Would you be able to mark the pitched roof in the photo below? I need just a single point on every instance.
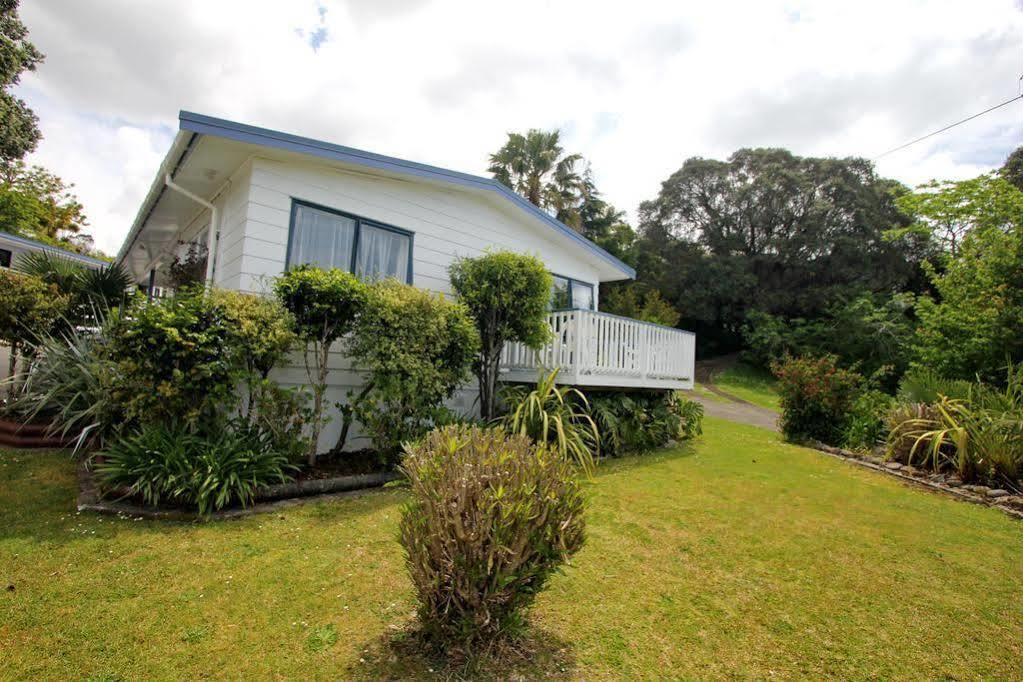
(208, 125)
(49, 248)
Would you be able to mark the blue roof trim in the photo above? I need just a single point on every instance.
(64, 253)
(208, 125)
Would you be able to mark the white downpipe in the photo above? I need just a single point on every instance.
(211, 235)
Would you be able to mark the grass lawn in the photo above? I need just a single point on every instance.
(738, 556)
(749, 383)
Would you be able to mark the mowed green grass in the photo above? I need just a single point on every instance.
(751, 384)
(734, 557)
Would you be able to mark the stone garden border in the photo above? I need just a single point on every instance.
(272, 498)
(949, 485)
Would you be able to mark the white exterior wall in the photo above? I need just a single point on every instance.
(447, 223)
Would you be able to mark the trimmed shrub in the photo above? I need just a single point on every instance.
(557, 416)
(325, 305)
(817, 398)
(417, 348)
(491, 518)
(173, 360)
(637, 421)
(173, 464)
(508, 295)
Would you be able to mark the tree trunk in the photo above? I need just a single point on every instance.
(347, 414)
(322, 356)
(490, 362)
(12, 367)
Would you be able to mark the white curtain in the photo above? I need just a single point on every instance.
(322, 239)
(382, 253)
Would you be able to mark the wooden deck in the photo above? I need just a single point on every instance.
(604, 350)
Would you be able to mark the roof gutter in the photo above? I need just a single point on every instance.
(211, 235)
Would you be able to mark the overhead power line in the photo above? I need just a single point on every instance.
(949, 127)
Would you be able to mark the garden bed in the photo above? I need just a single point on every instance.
(318, 484)
(29, 436)
(950, 485)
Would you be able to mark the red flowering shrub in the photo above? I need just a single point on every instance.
(817, 398)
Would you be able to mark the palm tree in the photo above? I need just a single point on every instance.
(535, 166)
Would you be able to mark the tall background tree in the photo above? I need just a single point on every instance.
(34, 203)
(19, 127)
(769, 231)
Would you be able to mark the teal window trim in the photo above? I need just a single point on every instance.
(359, 222)
(572, 283)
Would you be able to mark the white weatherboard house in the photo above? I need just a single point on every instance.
(262, 201)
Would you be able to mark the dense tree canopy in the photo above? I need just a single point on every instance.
(767, 230)
(1012, 170)
(945, 212)
(37, 204)
(19, 127)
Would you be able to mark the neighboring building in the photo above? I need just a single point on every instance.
(12, 246)
(275, 200)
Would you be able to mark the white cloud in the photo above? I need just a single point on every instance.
(636, 87)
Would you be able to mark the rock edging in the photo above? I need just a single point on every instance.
(997, 498)
(271, 498)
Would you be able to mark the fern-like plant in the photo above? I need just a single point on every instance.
(554, 415)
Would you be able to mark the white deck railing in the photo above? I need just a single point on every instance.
(599, 349)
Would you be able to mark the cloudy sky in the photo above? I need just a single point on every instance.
(636, 88)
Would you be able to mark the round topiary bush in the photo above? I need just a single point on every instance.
(491, 518)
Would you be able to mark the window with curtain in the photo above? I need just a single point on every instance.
(331, 239)
(569, 293)
(382, 253)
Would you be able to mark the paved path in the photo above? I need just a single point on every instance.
(736, 409)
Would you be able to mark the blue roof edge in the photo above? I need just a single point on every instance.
(241, 132)
(62, 253)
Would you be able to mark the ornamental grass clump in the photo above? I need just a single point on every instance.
(492, 517)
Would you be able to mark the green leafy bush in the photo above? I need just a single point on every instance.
(869, 333)
(866, 427)
(976, 324)
(171, 463)
(261, 334)
(491, 518)
(174, 360)
(643, 420)
(417, 348)
(817, 398)
(325, 305)
(553, 415)
(508, 295)
(28, 309)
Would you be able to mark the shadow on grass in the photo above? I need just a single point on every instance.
(614, 466)
(402, 655)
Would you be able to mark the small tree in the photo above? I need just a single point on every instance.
(262, 333)
(418, 348)
(28, 309)
(507, 295)
(325, 305)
